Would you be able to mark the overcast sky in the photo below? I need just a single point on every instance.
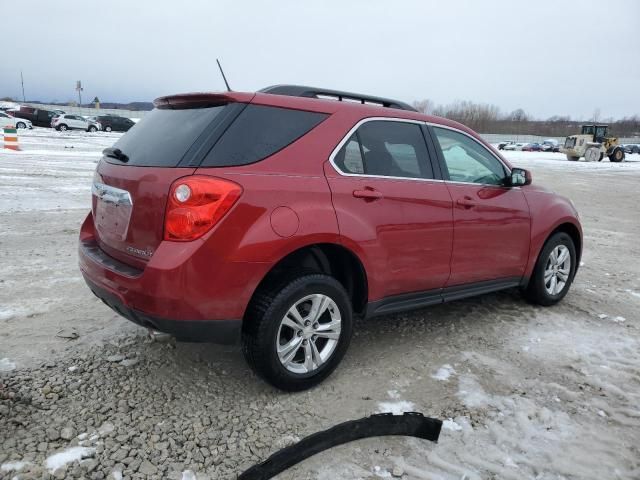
(548, 57)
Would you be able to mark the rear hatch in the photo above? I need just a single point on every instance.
(133, 179)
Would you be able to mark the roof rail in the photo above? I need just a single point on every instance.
(325, 93)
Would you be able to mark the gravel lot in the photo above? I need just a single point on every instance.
(527, 392)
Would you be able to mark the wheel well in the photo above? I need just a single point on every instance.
(571, 230)
(327, 258)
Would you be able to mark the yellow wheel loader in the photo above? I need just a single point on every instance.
(593, 144)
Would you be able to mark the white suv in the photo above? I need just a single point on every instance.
(73, 122)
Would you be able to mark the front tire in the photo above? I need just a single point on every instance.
(617, 155)
(92, 129)
(295, 336)
(107, 128)
(21, 125)
(554, 271)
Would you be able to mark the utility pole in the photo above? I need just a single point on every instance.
(22, 82)
(79, 89)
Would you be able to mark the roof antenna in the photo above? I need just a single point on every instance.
(223, 77)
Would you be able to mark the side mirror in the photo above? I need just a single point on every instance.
(519, 177)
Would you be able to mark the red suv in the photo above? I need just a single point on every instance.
(278, 216)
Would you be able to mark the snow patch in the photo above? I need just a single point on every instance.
(117, 475)
(13, 466)
(69, 455)
(397, 408)
(631, 292)
(7, 365)
(188, 475)
(381, 472)
(450, 424)
(471, 393)
(393, 394)
(444, 372)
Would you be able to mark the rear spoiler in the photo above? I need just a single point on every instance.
(201, 100)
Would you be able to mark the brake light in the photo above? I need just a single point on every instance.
(196, 204)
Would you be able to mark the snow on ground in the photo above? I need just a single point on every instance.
(558, 161)
(6, 365)
(52, 171)
(71, 454)
(444, 372)
(14, 466)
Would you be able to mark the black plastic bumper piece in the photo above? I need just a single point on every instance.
(410, 424)
(224, 332)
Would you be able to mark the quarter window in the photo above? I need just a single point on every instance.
(259, 132)
(468, 161)
(387, 149)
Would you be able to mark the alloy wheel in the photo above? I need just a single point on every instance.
(309, 333)
(557, 270)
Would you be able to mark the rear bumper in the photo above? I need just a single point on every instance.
(185, 289)
(215, 331)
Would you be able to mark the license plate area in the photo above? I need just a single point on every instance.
(112, 212)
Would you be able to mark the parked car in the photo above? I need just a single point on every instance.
(631, 148)
(275, 218)
(501, 145)
(513, 146)
(550, 145)
(115, 123)
(532, 147)
(9, 121)
(68, 121)
(37, 116)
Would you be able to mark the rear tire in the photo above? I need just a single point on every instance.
(271, 328)
(552, 279)
(592, 154)
(62, 128)
(616, 156)
(572, 159)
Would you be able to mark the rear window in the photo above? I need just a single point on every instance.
(163, 136)
(258, 132)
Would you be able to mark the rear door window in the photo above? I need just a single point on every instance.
(386, 148)
(259, 132)
(162, 137)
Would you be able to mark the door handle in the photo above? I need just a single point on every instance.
(466, 202)
(368, 194)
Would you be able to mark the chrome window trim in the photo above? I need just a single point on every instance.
(344, 140)
(364, 175)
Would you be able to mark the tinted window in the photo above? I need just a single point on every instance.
(468, 161)
(163, 136)
(386, 148)
(259, 132)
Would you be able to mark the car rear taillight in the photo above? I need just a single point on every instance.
(196, 204)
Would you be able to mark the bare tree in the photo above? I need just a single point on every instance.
(425, 106)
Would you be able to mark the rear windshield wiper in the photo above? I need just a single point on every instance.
(115, 153)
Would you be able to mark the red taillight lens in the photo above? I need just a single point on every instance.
(196, 204)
